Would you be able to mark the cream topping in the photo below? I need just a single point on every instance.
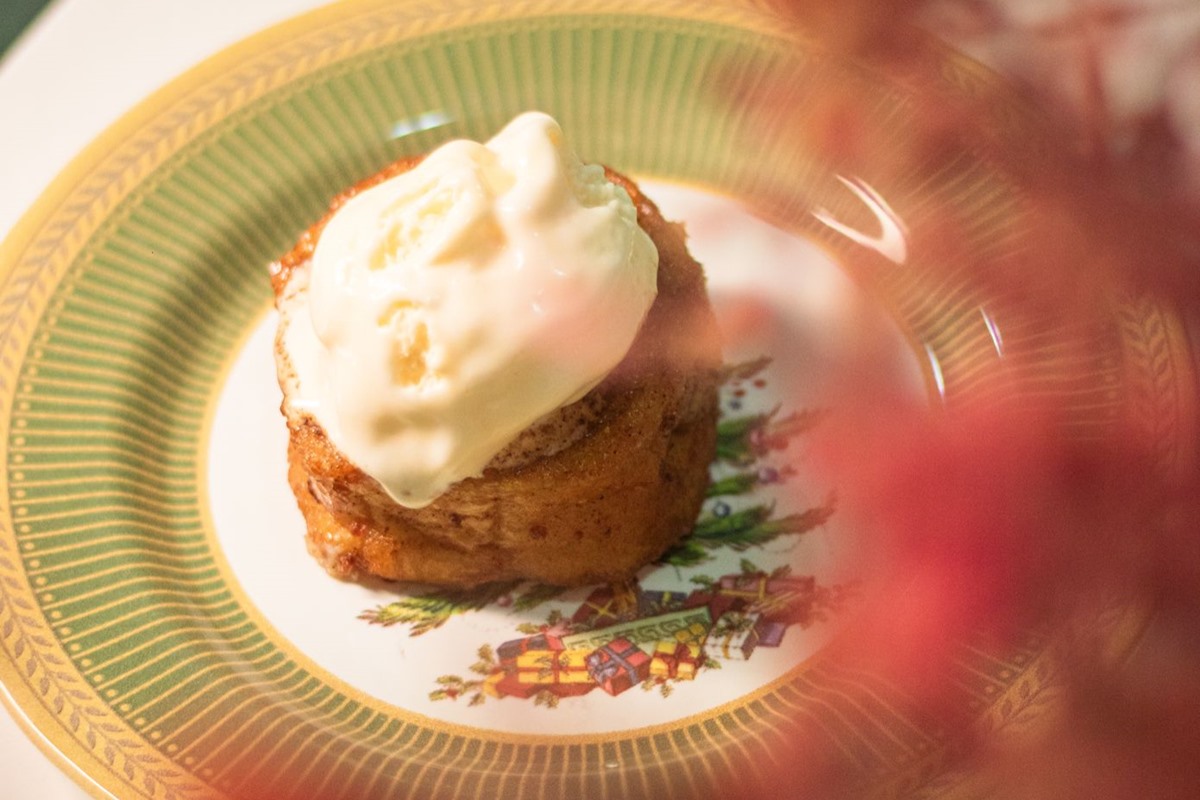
(450, 307)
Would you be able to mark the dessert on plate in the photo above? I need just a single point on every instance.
(497, 362)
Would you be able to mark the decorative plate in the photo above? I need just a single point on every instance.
(160, 624)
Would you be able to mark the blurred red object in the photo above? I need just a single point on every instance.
(991, 516)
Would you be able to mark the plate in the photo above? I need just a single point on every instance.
(161, 626)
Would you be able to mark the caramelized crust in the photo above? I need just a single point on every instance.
(591, 493)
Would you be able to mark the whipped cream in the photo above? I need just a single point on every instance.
(450, 307)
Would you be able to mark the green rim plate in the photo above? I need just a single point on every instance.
(130, 287)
